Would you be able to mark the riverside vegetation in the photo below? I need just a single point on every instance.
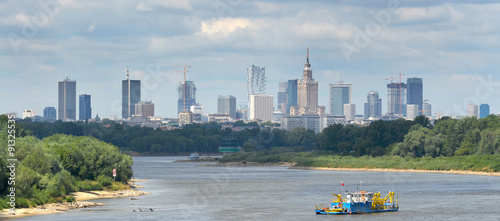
(48, 169)
(465, 144)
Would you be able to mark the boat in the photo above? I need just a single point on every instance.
(359, 202)
(194, 156)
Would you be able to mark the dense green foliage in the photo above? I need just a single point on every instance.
(450, 137)
(48, 170)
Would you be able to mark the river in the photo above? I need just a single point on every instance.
(183, 191)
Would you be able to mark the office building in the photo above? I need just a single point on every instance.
(67, 100)
(412, 111)
(472, 111)
(261, 107)
(186, 95)
(414, 92)
(311, 122)
(427, 109)
(373, 106)
(256, 80)
(85, 107)
(227, 105)
(185, 117)
(145, 109)
(349, 112)
(49, 114)
(291, 92)
(307, 91)
(283, 96)
(396, 104)
(28, 113)
(484, 110)
(340, 94)
(131, 95)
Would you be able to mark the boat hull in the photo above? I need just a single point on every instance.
(322, 212)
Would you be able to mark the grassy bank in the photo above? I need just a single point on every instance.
(482, 163)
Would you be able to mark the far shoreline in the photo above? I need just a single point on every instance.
(462, 172)
(293, 166)
(81, 201)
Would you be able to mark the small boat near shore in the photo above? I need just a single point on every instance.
(359, 202)
(194, 156)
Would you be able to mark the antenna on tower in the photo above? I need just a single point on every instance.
(308, 54)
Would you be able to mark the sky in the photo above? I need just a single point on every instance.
(453, 46)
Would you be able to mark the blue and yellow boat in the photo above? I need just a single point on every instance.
(360, 202)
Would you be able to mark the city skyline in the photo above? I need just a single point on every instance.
(456, 62)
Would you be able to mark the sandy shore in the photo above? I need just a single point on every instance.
(247, 164)
(402, 170)
(292, 166)
(81, 201)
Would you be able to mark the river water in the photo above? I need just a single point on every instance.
(184, 191)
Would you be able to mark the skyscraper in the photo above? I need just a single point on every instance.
(291, 91)
(414, 90)
(145, 109)
(373, 105)
(282, 96)
(256, 80)
(411, 111)
(189, 95)
(472, 110)
(396, 104)
(484, 110)
(261, 107)
(67, 100)
(227, 105)
(49, 114)
(85, 109)
(307, 91)
(427, 109)
(131, 95)
(349, 112)
(340, 94)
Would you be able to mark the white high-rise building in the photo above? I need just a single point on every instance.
(350, 112)
(261, 107)
(472, 110)
(28, 113)
(412, 111)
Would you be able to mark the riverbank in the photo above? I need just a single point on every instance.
(247, 164)
(81, 201)
(402, 170)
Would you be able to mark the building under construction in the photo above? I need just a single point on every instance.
(187, 96)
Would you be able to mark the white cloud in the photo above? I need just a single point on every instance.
(223, 27)
(175, 4)
(91, 28)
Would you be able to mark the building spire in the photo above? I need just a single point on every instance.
(308, 54)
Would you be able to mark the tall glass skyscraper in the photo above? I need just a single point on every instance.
(414, 90)
(340, 94)
(373, 106)
(190, 96)
(484, 110)
(67, 100)
(291, 92)
(282, 96)
(396, 104)
(131, 95)
(227, 105)
(85, 109)
(49, 113)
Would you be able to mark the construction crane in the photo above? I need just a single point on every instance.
(184, 94)
(400, 76)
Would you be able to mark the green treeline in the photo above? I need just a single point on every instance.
(417, 138)
(47, 170)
